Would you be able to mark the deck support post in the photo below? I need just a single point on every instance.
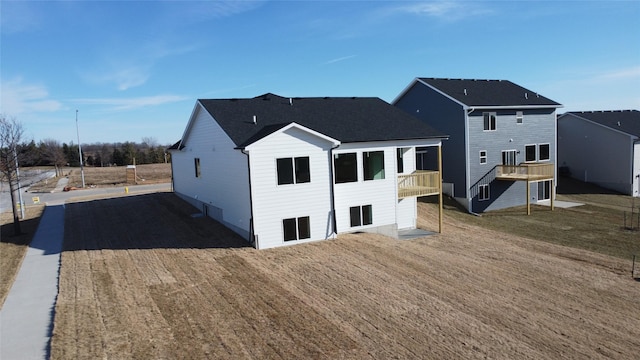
(553, 193)
(440, 207)
(528, 198)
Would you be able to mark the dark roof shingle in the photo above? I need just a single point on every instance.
(627, 121)
(496, 93)
(347, 119)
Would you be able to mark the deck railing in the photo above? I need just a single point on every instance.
(419, 183)
(533, 171)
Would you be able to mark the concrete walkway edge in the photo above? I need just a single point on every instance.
(26, 318)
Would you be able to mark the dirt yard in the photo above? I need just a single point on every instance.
(142, 278)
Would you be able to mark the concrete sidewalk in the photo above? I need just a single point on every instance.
(26, 319)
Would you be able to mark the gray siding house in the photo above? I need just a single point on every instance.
(502, 146)
(601, 147)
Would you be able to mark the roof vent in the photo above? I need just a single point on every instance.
(255, 119)
(465, 92)
(290, 101)
(526, 96)
(618, 123)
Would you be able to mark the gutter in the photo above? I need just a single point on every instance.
(252, 238)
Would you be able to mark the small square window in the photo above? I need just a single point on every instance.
(543, 151)
(296, 228)
(489, 121)
(519, 117)
(287, 167)
(483, 156)
(483, 192)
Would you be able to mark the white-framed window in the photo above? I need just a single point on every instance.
(519, 117)
(196, 164)
(361, 215)
(346, 168)
(296, 228)
(483, 192)
(530, 153)
(489, 121)
(483, 156)
(293, 170)
(544, 152)
(373, 165)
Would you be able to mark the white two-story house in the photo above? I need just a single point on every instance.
(502, 147)
(281, 171)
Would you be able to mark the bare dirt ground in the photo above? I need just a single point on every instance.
(141, 278)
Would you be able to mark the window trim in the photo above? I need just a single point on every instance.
(548, 152)
(483, 157)
(535, 153)
(486, 124)
(486, 193)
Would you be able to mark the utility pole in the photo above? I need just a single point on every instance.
(80, 150)
(15, 152)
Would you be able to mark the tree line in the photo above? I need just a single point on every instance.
(54, 153)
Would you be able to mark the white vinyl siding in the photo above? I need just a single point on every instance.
(272, 202)
(226, 193)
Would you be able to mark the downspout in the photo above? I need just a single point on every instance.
(334, 222)
(468, 111)
(252, 237)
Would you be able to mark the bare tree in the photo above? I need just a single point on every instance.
(11, 132)
(52, 153)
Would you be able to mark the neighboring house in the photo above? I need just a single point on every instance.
(502, 146)
(280, 171)
(601, 147)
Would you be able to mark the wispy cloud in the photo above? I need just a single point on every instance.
(19, 98)
(443, 10)
(333, 61)
(620, 74)
(120, 104)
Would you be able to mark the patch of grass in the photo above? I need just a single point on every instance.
(117, 175)
(596, 226)
(13, 248)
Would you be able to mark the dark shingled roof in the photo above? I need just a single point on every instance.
(489, 92)
(347, 119)
(627, 121)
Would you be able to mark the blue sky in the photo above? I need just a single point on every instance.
(134, 69)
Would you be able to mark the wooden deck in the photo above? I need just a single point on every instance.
(526, 172)
(419, 183)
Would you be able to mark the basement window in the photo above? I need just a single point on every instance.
(346, 168)
(483, 192)
(361, 215)
(296, 228)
